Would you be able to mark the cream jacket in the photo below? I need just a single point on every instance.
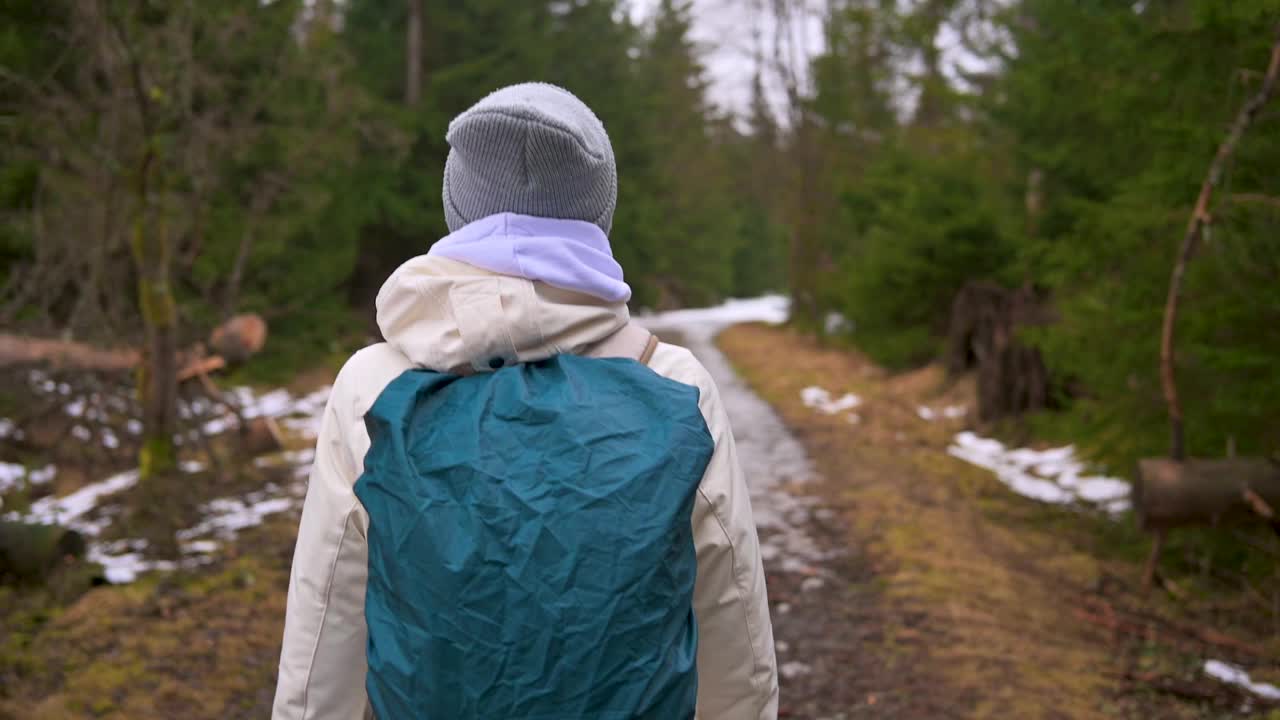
(448, 316)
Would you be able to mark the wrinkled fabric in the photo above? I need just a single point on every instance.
(530, 546)
(323, 656)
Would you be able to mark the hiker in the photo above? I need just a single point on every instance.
(524, 506)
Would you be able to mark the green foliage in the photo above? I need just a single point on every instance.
(924, 232)
(1152, 93)
(1116, 110)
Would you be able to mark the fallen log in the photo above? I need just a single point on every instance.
(1169, 494)
(30, 552)
(235, 341)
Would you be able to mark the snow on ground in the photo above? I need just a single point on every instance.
(794, 669)
(124, 560)
(820, 399)
(12, 475)
(8, 428)
(707, 322)
(1052, 476)
(1235, 675)
(950, 412)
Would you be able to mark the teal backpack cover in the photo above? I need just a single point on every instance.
(531, 553)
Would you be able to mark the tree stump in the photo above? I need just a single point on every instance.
(1012, 377)
(31, 552)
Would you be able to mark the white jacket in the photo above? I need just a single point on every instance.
(445, 315)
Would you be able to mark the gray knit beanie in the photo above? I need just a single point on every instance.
(531, 149)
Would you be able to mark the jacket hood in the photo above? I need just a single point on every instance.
(448, 316)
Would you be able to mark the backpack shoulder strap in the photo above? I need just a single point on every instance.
(631, 341)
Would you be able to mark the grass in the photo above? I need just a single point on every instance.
(191, 645)
(1009, 588)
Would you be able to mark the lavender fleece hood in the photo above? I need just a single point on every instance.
(567, 254)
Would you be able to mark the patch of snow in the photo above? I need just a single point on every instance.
(10, 475)
(772, 309)
(1052, 476)
(42, 476)
(218, 426)
(811, 584)
(109, 439)
(836, 324)
(783, 608)
(227, 516)
(951, 412)
(821, 400)
(9, 428)
(81, 433)
(794, 669)
(70, 510)
(126, 567)
(201, 547)
(782, 646)
(1236, 675)
(133, 427)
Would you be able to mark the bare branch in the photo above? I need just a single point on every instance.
(1201, 219)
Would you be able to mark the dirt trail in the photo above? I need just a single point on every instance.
(938, 592)
(823, 606)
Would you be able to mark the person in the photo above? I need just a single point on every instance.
(521, 506)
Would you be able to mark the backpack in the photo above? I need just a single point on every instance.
(530, 545)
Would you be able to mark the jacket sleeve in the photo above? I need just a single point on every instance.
(323, 662)
(737, 671)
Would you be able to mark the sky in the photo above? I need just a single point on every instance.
(726, 33)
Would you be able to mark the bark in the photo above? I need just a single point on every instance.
(158, 375)
(18, 350)
(413, 55)
(1200, 219)
(1171, 494)
(234, 342)
(1012, 376)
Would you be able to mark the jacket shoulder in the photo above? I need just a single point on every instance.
(365, 375)
(679, 364)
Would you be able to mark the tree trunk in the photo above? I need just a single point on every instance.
(1171, 494)
(413, 55)
(158, 374)
(802, 255)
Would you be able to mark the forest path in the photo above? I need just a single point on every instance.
(821, 603)
(924, 587)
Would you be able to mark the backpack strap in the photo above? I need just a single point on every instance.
(631, 341)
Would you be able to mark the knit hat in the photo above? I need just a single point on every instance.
(529, 149)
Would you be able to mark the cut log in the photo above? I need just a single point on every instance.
(30, 552)
(1171, 494)
(235, 341)
(22, 350)
(239, 338)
